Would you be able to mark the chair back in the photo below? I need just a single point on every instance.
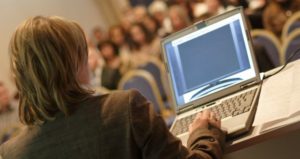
(145, 84)
(154, 68)
(270, 42)
(294, 26)
(290, 25)
(291, 44)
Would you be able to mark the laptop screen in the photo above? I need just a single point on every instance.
(209, 59)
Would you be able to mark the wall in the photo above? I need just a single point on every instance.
(13, 12)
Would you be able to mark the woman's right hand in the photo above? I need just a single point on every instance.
(204, 119)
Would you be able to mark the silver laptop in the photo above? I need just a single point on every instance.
(211, 65)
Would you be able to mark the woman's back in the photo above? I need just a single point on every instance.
(118, 125)
(98, 128)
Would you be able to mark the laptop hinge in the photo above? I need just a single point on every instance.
(193, 106)
(187, 108)
(249, 84)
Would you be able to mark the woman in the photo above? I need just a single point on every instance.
(120, 38)
(144, 45)
(64, 120)
(143, 41)
(111, 73)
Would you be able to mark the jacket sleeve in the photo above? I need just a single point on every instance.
(155, 141)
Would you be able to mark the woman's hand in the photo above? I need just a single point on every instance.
(204, 119)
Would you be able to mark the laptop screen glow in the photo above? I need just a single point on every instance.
(209, 59)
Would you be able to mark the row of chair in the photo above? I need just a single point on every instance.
(280, 49)
(149, 80)
(276, 50)
(291, 25)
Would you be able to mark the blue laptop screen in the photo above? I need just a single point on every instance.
(209, 60)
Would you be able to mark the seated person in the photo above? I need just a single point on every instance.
(179, 18)
(110, 75)
(263, 60)
(9, 123)
(277, 12)
(144, 45)
(66, 120)
(95, 63)
(119, 36)
(255, 13)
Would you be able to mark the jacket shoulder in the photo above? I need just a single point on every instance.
(118, 101)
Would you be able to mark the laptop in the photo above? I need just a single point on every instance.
(211, 65)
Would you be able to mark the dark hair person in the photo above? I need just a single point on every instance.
(65, 120)
(144, 45)
(140, 36)
(111, 73)
(151, 24)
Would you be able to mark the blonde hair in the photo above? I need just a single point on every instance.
(46, 55)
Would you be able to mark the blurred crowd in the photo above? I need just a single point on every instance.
(136, 39)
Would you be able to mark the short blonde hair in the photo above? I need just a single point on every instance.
(46, 55)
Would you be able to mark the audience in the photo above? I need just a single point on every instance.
(140, 30)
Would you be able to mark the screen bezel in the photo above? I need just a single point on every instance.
(196, 27)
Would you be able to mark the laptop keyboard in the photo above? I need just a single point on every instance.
(230, 107)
